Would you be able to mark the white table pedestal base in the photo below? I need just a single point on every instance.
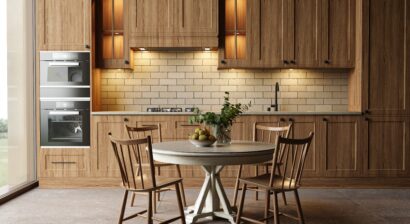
(212, 201)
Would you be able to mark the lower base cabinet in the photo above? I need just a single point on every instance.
(387, 146)
(352, 148)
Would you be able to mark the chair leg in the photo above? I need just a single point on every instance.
(181, 186)
(236, 190)
(149, 214)
(180, 207)
(158, 196)
(267, 206)
(284, 198)
(154, 202)
(124, 204)
(240, 209)
(299, 208)
(276, 209)
(256, 174)
(132, 199)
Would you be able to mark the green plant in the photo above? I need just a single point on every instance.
(225, 119)
(3, 126)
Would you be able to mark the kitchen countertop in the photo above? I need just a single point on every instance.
(124, 113)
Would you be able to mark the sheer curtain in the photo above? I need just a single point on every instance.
(17, 129)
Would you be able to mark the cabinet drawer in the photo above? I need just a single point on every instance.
(64, 162)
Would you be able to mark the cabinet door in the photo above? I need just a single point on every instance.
(63, 162)
(338, 33)
(302, 48)
(105, 162)
(63, 24)
(302, 126)
(388, 79)
(339, 143)
(387, 146)
(198, 18)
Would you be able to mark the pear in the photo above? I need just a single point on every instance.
(202, 138)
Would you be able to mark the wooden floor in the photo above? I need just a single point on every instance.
(91, 206)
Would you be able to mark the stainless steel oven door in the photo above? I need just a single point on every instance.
(65, 73)
(65, 127)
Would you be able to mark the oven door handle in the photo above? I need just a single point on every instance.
(57, 112)
(58, 64)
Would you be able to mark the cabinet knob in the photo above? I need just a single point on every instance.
(223, 62)
(127, 62)
(293, 62)
(282, 119)
(367, 111)
(291, 120)
(126, 120)
(87, 46)
(286, 62)
(327, 61)
(325, 120)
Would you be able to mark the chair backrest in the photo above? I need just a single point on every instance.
(294, 153)
(128, 153)
(148, 130)
(270, 134)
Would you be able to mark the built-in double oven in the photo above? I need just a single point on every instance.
(65, 99)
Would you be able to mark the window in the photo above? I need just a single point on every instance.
(17, 129)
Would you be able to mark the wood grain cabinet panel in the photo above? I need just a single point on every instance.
(303, 33)
(59, 162)
(340, 146)
(302, 126)
(173, 23)
(388, 72)
(338, 33)
(63, 24)
(387, 144)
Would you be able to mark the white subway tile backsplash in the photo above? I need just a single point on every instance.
(186, 79)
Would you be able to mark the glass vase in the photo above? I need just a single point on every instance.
(222, 134)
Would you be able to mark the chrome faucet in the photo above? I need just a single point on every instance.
(276, 105)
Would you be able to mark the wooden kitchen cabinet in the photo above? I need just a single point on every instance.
(340, 145)
(386, 80)
(387, 146)
(302, 126)
(63, 25)
(173, 23)
(288, 34)
(63, 162)
(111, 19)
(338, 33)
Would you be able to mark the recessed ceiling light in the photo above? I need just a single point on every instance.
(142, 49)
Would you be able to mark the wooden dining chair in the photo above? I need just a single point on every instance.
(265, 134)
(294, 153)
(153, 130)
(128, 154)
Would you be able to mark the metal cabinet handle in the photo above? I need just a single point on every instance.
(286, 62)
(126, 120)
(293, 62)
(87, 46)
(282, 119)
(189, 125)
(325, 120)
(223, 62)
(327, 61)
(62, 162)
(126, 62)
(291, 120)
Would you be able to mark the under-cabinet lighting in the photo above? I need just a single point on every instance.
(116, 33)
(207, 49)
(142, 49)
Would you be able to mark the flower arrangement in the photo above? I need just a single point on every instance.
(220, 122)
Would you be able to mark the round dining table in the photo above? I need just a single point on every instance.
(212, 200)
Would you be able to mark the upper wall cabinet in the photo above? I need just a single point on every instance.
(112, 49)
(288, 34)
(63, 24)
(388, 68)
(338, 33)
(173, 23)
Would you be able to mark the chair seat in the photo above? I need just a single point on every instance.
(161, 183)
(262, 181)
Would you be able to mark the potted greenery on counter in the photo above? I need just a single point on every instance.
(220, 123)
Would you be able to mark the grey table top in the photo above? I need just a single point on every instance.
(236, 148)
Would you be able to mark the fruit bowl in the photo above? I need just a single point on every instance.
(204, 143)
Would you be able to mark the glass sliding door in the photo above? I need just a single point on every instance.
(17, 129)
